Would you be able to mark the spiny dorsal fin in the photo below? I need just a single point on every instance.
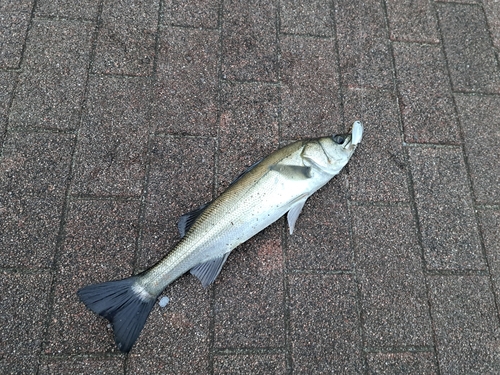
(207, 272)
(186, 221)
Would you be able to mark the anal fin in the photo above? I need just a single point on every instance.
(207, 272)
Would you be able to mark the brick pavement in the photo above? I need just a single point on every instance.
(118, 116)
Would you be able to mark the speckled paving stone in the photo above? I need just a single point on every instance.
(175, 339)
(490, 222)
(81, 9)
(426, 102)
(417, 363)
(248, 129)
(479, 117)
(82, 366)
(377, 170)
(492, 11)
(468, 48)
(465, 324)
(306, 17)
(389, 267)
(14, 27)
(7, 82)
(255, 364)
(249, 309)
(33, 173)
(112, 146)
(181, 179)
(126, 41)
(324, 326)
(450, 236)
(99, 246)
(249, 44)
(365, 59)
(309, 87)
(193, 13)
(16, 6)
(52, 84)
(24, 307)
(187, 82)
(413, 21)
(321, 238)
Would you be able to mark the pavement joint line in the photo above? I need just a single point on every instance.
(188, 136)
(249, 350)
(488, 206)
(417, 42)
(400, 349)
(379, 203)
(467, 93)
(32, 130)
(251, 82)
(451, 273)
(44, 18)
(431, 145)
(26, 270)
(307, 272)
(164, 26)
(119, 75)
(307, 35)
(113, 198)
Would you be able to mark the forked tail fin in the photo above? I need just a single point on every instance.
(124, 303)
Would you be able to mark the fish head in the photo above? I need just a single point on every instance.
(331, 154)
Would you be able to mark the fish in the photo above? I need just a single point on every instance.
(277, 185)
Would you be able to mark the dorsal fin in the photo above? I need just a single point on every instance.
(186, 221)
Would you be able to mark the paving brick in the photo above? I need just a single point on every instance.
(412, 21)
(14, 27)
(421, 363)
(248, 129)
(426, 102)
(450, 236)
(324, 324)
(365, 59)
(490, 222)
(465, 324)
(126, 41)
(309, 87)
(390, 274)
(377, 170)
(468, 48)
(187, 83)
(306, 17)
(52, 84)
(479, 117)
(180, 179)
(249, 44)
(24, 306)
(249, 295)
(256, 364)
(33, 173)
(16, 6)
(112, 144)
(82, 366)
(175, 339)
(492, 11)
(7, 84)
(321, 238)
(192, 13)
(81, 9)
(99, 246)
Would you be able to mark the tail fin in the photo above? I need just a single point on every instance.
(124, 303)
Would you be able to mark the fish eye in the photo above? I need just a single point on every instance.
(338, 139)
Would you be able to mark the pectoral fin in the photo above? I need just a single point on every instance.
(187, 220)
(294, 212)
(207, 272)
(292, 172)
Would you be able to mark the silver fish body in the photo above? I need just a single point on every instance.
(280, 183)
